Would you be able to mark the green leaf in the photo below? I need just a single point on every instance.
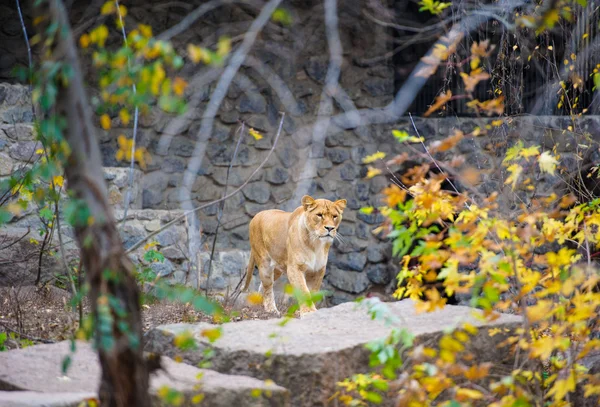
(596, 81)
(400, 135)
(46, 213)
(373, 397)
(177, 62)
(3, 338)
(282, 16)
(5, 216)
(66, 362)
(153, 256)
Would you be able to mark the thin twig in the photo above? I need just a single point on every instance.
(220, 213)
(47, 238)
(236, 191)
(135, 125)
(16, 241)
(62, 248)
(191, 18)
(26, 38)
(22, 335)
(429, 154)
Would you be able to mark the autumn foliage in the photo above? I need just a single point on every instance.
(536, 262)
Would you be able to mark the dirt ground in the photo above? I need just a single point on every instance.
(44, 314)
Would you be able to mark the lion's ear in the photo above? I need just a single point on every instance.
(307, 202)
(340, 204)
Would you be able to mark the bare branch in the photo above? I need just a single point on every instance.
(220, 214)
(331, 86)
(135, 124)
(209, 115)
(194, 210)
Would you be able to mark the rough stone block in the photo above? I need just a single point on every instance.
(117, 180)
(349, 281)
(19, 131)
(37, 368)
(324, 347)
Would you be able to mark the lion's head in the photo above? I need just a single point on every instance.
(323, 216)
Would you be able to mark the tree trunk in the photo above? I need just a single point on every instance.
(113, 292)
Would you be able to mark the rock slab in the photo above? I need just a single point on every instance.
(36, 399)
(308, 356)
(38, 369)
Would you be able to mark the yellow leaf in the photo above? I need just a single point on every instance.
(563, 386)
(108, 8)
(145, 30)
(367, 211)
(58, 181)
(373, 157)
(198, 54)
(440, 101)
(539, 311)
(547, 162)
(211, 334)
(475, 63)
(255, 134)
(105, 121)
(122, 10)
(124, 115)
(515, 172)
(150, 245)
(471, 80)
(373, 172)
(394, 195)
(529, 152)
(223, 46)
(84, 41)
(99, 35)
(179, 86)
(468, 394)
(197, 399)
(33, 241)
(254, 298)
(39, 151)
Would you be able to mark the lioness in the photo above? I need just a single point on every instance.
(296, 242)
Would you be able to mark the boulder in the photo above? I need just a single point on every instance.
(36, 399)
(323, 347)
(38, 369)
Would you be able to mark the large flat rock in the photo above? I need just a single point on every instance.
(38, 369)
(308, 356)
(36, 399)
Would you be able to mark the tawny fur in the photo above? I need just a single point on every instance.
(295, 243)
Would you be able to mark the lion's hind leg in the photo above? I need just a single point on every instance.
(267, 278)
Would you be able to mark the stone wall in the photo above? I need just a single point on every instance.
(285, 71)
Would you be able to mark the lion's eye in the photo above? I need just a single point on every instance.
(335, 217)
(320, 215)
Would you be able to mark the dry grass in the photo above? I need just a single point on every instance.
(45, 314)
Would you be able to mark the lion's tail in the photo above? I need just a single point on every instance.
(249, 271)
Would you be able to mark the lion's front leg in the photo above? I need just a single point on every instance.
(297, 278)
(314, 280)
